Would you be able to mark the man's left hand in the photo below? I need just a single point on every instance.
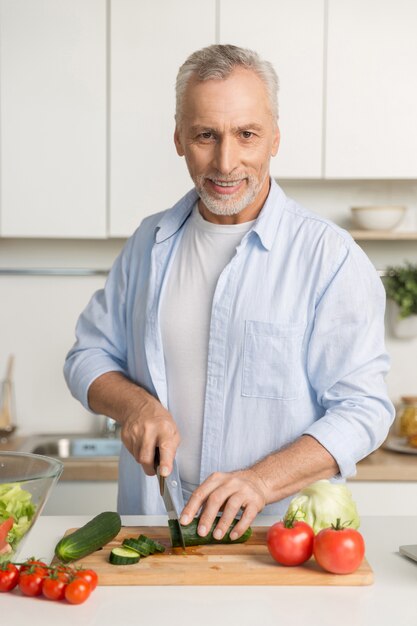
(229, 492)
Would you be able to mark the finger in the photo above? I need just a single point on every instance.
(145, 455)
(232, 508)
(248, 515)
(167, 451)
(211, 509)
(198, 497)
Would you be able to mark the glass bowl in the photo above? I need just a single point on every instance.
(26, 481)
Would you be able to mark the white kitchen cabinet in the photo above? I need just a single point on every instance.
(290, 34)
(53, 118)
(149, 41)
(371, 129)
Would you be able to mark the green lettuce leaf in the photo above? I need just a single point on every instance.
(16, 502)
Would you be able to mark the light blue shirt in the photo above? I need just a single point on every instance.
(296, 343)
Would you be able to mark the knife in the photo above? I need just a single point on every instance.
(165, 491)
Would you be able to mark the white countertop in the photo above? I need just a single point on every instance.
(390, 600)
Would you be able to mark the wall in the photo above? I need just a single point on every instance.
(38, 313)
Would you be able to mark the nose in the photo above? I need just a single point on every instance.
(226, 155)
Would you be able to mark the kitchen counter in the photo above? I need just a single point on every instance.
(387, 465)
(391, 599)
(381, 465)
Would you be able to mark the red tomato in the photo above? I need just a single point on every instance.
(34, 563)
(77, 591)
(31, 580)
(9, 576)
(53, 587)
(4, 529)
(291, 542)
(89, 575)
(339, 550)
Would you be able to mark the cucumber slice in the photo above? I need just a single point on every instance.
(154, 546)
(158, 546)
(123, 556)
(140, 547)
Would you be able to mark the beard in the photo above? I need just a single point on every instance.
(220, 204)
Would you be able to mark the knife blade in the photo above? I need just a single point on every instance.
(165, 491)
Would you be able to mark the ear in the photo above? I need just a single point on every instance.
(178, 143)
(275, 143)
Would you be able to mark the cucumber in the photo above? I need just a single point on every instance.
(191, 538)
(89, 538)
(123, 556)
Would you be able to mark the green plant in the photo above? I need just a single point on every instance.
(401, 286)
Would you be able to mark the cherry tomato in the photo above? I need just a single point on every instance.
(31, 580)
(53, 586)
(290, 542)
(89, 575)
(34, 563)
(77, 591)
(339, 549)
(9, 576)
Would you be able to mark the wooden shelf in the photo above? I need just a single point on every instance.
(384, 235)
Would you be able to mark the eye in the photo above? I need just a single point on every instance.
(247, 134)
(206, 135)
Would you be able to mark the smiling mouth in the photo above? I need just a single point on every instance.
(225, 187)
(226, 183)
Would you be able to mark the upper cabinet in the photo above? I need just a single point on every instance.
(371, 99)
(53, 118)
(87, 100)
(149, 41)
(290, 34)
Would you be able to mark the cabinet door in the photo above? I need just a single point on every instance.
(290, 34)
(149, 41)
(52, 118)
(371, 129)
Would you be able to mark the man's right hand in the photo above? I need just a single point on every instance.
(145, 423)
(149, 426)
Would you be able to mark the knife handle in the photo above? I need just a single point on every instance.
(156, 462)
(157, 459)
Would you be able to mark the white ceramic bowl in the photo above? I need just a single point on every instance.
(377, 217)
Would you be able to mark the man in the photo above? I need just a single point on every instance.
(237, 331)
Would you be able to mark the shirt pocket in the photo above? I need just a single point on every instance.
(272, 360)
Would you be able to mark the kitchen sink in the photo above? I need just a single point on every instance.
(72, 446)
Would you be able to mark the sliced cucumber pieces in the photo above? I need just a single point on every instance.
(154, 546)
(133, 548)
(141, 547)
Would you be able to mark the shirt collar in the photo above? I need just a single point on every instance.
(265, 226)
(270, 215)
(173, 219)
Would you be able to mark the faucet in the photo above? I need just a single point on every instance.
(110, 428)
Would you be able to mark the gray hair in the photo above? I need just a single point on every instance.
(219, 61)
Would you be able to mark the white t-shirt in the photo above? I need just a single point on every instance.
(204, 251)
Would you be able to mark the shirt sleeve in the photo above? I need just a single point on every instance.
(347, 362)
(100, 345)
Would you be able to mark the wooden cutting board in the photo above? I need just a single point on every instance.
(239, 564)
